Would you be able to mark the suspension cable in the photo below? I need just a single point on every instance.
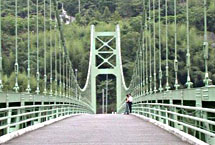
(55, 46)
(154, 45)
(63, 78)
(188, 83)
(150, 50)
(38, 58)
(50, 39)
(143, 47)
(141, 70)
(146, 40)
(60, 66)
(167, 49)
(44, 33)
(66, 78)
(1, 70)
(16, 65)
(160, 70)
(29, 68)
(176, 54)
(207, 80)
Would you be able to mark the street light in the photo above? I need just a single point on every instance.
(76, 77)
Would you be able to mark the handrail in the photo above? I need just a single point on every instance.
(38, 113)
(170, 113)
(184, 107)
(182, 115)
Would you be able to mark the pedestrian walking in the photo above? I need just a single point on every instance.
(127, 105)
(130, 100)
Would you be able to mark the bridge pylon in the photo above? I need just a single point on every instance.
(106, 59)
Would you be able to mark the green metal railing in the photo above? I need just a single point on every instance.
(196, 121)
(65, 97)
(20, 108)
(15, 118)
(170, 105)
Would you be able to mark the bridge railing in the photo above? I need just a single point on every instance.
(196, 121)
(15, 118)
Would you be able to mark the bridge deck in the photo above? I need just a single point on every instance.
(99, 130)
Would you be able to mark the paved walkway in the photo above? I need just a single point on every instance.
(99, 130)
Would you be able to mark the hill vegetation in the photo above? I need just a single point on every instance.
(105, 14)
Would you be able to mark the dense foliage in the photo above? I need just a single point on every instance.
(105, 14)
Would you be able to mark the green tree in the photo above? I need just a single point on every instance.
(116, 16)
(106, 14)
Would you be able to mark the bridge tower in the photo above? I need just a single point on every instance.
(112, 62)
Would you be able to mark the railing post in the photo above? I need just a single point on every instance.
(22, 111)
(159, 113)
(18, 119)
(206, 126)
(167, 119)
(198, 114)
(9, 120)
(175, 117)
(56, 111)
(40, 114)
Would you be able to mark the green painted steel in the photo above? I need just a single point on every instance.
(169, 106)
(182, 118)
(1, 84)
(39, 106)
(176, 53)
(64, 96)
(16, 65)
(38, 57)
(97, 69)
(167, 47)
(188, 83)
(15, 118)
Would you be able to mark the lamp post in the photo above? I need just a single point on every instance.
(76, 89)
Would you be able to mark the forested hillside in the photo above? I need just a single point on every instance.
(105, 14)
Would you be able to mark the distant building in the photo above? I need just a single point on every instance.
(64, 17)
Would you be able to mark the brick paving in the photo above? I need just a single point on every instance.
(99, 130)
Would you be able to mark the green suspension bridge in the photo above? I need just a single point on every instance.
(180, 111)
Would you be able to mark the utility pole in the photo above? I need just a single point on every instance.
(103, 99)
(107, 94)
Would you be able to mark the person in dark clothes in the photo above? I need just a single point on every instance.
(130, 99)
(126, 105)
